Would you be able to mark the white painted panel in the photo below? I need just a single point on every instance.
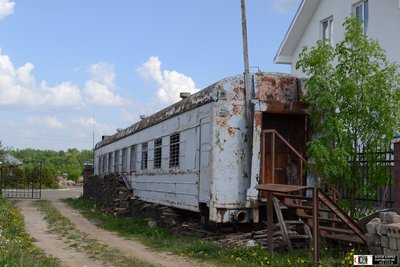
(205, 153)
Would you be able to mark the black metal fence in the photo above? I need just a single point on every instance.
(22, 181)
(383, 169)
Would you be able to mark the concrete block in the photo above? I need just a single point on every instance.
(390, 252)
(390, 217)
(372, 225)
(385, 241)
(381, 229)
(374, 239)
(393, 230)
(382, 216)
(393, 243)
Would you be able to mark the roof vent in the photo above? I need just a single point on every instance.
(184, 95)
(142, 117)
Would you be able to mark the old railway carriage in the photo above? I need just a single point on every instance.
(198, 154)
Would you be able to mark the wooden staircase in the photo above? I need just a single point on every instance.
(333, 222)
(314, 206)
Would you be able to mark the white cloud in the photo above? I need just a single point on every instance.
(283, 6)
(6, 8)
(101, 86)
(18, 86)
(47, 121)
(170, 83)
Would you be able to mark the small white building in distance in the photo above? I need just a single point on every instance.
(323, 19)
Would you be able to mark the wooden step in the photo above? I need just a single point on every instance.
(345, 238)
(336, 230)
(321, 219)
(305, 207)
(292, 196)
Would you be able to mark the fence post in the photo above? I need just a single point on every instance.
(396, 141)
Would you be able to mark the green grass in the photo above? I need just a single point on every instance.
(164, 240)
(16, 246)
(81, 241)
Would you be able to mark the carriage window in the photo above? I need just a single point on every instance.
(157, 153)
(105, 164)
(109, 168)
(174, 151)
(116, 161)
(143, 164)
(124, 165)
(100, 164)
(132, 162)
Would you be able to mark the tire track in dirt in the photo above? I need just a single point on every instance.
(37, 227)
(53, 244)
(131, 247)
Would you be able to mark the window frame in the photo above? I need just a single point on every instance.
(124, 154)
(109, 162)
(157, 153)
(174, 150)
(116, 161)
(144, 162)
(363, 6)
(132, 160)
(329, 26)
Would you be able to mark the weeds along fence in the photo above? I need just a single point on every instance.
(378, 197)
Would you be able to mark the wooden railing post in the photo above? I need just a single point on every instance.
(315, 225)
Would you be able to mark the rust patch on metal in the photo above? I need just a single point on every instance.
(222, 213)
(237, 109)
(277, 87)
(258, 119)
(287, 108)
(238, 93)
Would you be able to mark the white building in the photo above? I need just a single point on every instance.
(323, 19)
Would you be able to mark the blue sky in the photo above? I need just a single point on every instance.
(61, 62)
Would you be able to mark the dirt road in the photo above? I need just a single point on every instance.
(58, 247)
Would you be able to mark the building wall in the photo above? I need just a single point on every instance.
(384, 22)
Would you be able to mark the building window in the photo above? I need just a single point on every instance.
(362, 14)
(132, 161)
(116, 161)
(157, 153)
(327, 27)
(143, 164)
(124, 165)
(174, 151)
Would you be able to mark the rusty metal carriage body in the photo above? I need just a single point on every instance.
(216, 164)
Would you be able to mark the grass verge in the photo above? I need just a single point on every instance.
(81, 241)
(16, 246)
(163, 239)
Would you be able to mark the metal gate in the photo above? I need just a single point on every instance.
(22, 181)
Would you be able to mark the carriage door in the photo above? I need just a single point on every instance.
(280, 165)
(205, 154)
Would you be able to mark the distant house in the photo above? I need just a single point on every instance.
(323, 19)
(12, 160)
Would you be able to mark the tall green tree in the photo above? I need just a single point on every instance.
(354, 98)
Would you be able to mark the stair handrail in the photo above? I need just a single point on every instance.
(309, 165)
